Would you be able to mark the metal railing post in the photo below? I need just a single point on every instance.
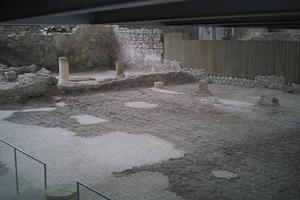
(89, 188)
(45, 176)
(77, 191)
(16, 170)
(16, 164)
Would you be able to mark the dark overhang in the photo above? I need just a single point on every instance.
(267, 13)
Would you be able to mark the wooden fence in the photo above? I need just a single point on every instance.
(243, 59)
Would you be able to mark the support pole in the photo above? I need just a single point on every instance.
(45, 176)
(77, 191)
(16, 170)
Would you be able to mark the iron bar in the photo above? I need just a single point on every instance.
(16, 164)
(16, 170)
(89, 188)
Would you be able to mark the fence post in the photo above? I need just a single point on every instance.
(77, 190)
(45, 176)
(16, 170)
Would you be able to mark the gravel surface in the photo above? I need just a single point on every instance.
(259, 144)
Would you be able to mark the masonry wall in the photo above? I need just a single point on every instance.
(140, 48)
(90, 47)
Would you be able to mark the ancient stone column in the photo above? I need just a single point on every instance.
(63, 70)
(120, 70)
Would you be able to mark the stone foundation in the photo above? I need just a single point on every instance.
(129, 82)
(260, 81)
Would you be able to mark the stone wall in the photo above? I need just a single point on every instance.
(141, 48)
(89, 47)
(260, 81)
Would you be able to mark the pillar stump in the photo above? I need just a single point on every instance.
(120, 70)
(61, 192)
(158, 85)
(63, 65)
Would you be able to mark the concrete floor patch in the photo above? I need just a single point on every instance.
(61, 104)
(165, 91)
(88, 119)
(47, 109)
(234, 102)
(140, 104)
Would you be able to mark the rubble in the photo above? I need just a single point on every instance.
(21, 70)
(44, 71)
(267, 101)
(2, 66)
(27, 85)
(203, 88)
(271, 82)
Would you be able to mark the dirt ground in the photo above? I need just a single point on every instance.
(260, 144)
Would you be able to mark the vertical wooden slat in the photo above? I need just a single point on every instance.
(236, 58)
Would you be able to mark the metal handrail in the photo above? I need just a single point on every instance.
(89, 188)
(16, 164)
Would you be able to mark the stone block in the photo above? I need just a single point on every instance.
(120, 70)
(158, 85)
(10, 76)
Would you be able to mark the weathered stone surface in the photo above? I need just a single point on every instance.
(61, 192)
(224, 174)
(267, 101)
(27, 85)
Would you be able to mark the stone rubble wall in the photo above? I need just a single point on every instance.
(140, 48)
(260, 81)
(28, 85)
